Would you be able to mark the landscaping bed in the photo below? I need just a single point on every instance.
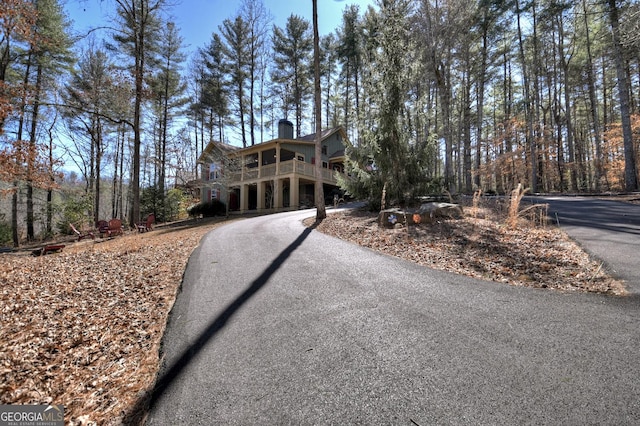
(483, 245)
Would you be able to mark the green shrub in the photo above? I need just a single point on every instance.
(77, 210)
(174, 204)
(152, 200)
(208, 209)
(5, 231)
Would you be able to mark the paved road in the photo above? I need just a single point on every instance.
(277, 324)
(610, 230)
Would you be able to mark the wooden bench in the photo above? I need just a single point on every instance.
(53, 248)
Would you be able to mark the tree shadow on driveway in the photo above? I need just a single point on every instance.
(137, 414)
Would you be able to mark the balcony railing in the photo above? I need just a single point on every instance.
(284, 168)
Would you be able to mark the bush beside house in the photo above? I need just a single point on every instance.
(208, 209)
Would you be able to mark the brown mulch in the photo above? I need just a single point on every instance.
(481, 245)
(82, 327)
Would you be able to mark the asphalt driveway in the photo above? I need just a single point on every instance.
(608, 229)
(279, 324)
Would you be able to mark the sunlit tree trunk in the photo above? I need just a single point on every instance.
(630, 172)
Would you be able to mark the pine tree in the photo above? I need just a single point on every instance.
(215, 91)
(88, 100)
(137, 36)
(236, 52)
(382, 164)
(49, 53)
(293, 47)
(169, 92)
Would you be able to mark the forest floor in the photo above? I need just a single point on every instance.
(83, 327)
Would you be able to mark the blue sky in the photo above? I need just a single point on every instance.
(198, 19)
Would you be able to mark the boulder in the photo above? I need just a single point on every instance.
(389, 218)
(428, 212)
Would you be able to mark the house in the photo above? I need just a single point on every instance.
(275, 175)
(212, 183)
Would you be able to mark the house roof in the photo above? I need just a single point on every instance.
(337, 154)
(214, 146)
(306, 140)
(324, 135)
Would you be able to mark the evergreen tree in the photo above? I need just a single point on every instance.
(349, 51)
(49, 55)
(137, 36)
(257, 19)
(215, 92)
(236, 53)
(388, 165)
(88, 97)
(169, 92)
(293, 47)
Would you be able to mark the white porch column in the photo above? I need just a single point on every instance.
(277, 193)
(261, 191)
(294, 193)
(244, 198)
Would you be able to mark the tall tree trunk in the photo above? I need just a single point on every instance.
(49, 223)
(116, 172)
(98, 172)
(241, 114)
(319, 191)
(564, 65)
(16, 184)
(595, 118)
(630, 173)
(480, 104)
(33, 153)
(531, 143)
(137, 122)
(466, 133)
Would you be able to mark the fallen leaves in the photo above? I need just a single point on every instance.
(527, 255)
(83, 327)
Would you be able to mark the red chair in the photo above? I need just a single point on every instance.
(80, 234)
(111, 228)
(147, 225)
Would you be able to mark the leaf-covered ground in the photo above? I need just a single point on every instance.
(481, 245)
(83, 327)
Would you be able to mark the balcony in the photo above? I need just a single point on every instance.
(285, 168)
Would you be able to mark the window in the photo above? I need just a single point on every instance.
(300, 157)
(214, 172)
(324, 149)
(251, 161)
(325, 165)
